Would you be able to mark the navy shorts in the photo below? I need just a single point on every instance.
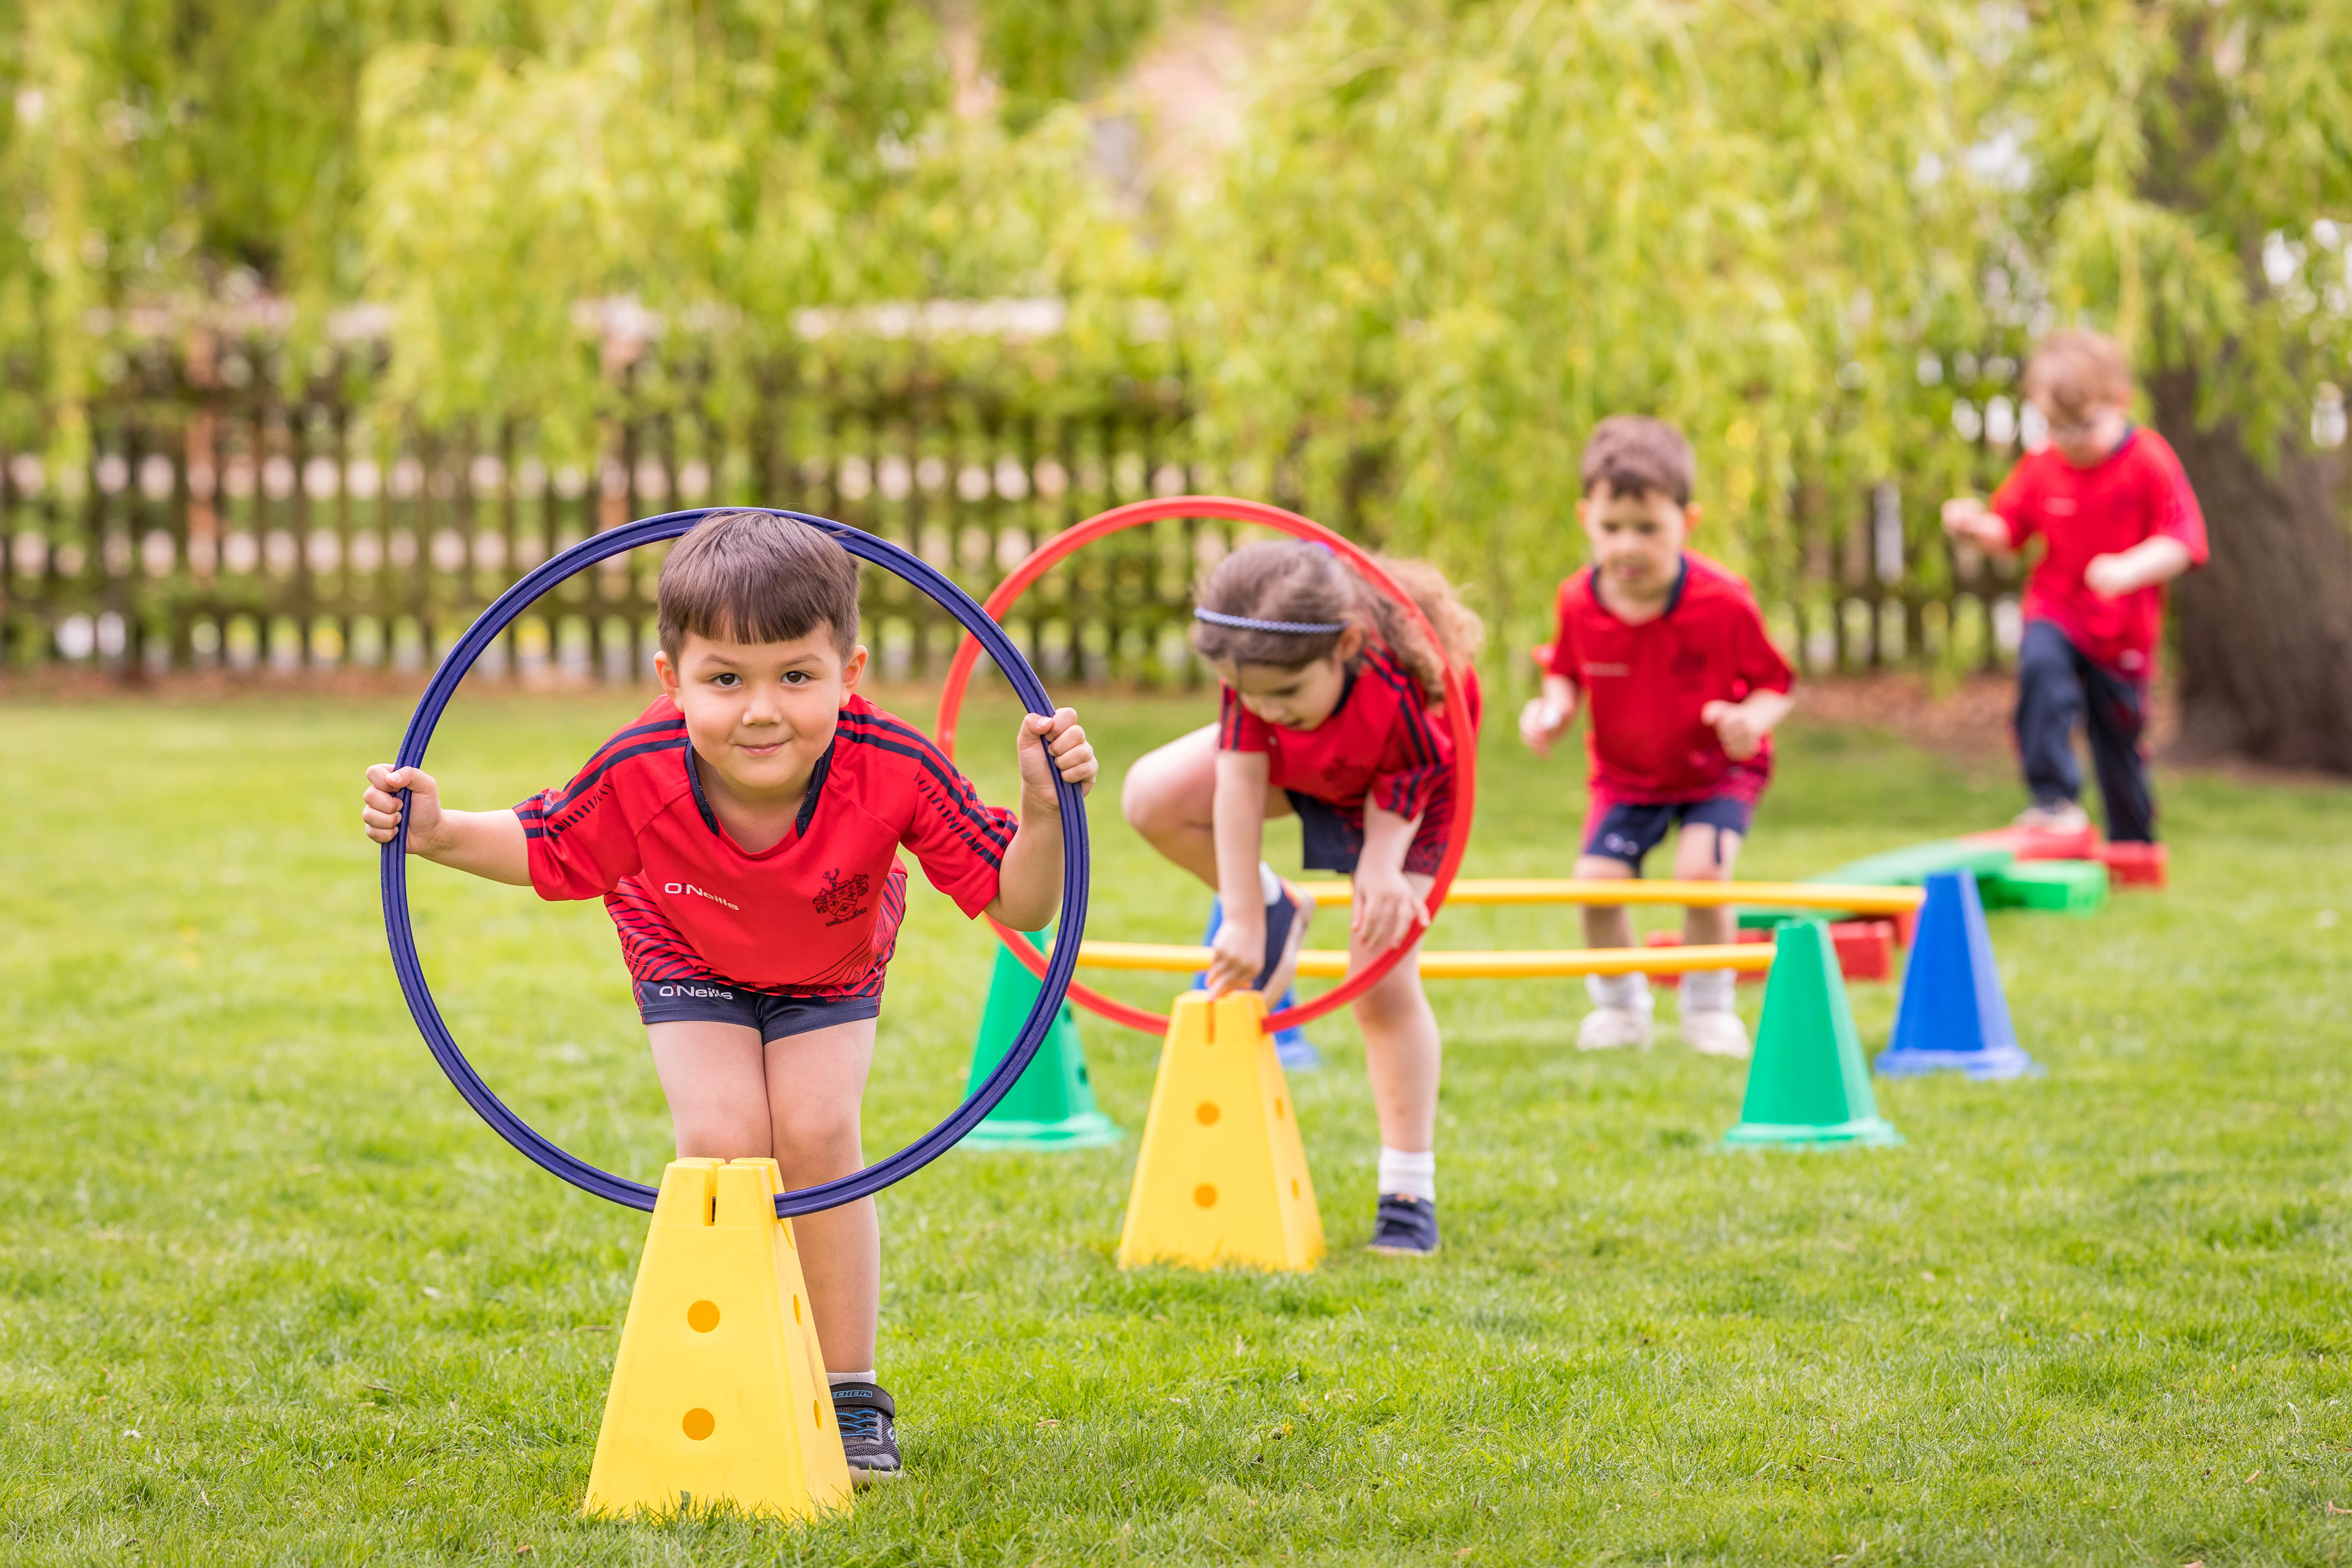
(776, 1017)
(1329, 842)
(1628, 831)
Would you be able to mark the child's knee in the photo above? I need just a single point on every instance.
(814, 1130)
(720, 1134)
(1706, 853)
(1149, 800)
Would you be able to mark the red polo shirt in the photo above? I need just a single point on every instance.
(2137, 492)
(1383, 743)
(816, 913)
(1644, 684)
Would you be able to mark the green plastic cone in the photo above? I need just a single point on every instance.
(1053, 1105)
(1808, 1086)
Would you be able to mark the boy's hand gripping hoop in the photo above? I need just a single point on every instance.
(401, 932)
(1134, 515)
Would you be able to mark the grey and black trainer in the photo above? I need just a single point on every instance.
(1405, 1227)
(869, 1440)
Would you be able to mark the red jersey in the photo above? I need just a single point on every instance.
(2137, 492)
(1383, 743)
(1645, 684)
(817, 912)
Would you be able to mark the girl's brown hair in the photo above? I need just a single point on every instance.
(1300, 583)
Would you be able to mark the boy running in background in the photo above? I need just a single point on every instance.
(1669, 651)
(2117, 521)
(743, 833)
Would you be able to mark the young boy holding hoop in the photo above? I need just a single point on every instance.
(742, 831)
(1670, 652)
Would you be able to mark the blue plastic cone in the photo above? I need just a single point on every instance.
(1953, 1015)
(1291, 1046)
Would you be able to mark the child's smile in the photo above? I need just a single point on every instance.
(761, 715)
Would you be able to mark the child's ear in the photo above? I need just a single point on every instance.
(853, 668)
(1351, 643)
(1690, 518)
(667, 673)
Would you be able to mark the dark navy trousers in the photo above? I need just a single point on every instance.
(2057, 688)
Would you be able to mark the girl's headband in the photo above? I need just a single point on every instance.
(1286, 628)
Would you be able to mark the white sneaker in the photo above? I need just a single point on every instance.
(1715, 1033)
(1613, 1029)
(2066, 817)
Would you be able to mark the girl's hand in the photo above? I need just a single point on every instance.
(1385, 909)
(380, 806)
(1235, 955)
(1061, 738)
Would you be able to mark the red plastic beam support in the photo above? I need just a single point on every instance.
(1226, 508)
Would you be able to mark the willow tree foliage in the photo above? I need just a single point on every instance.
(490, 169)
(1457, 236)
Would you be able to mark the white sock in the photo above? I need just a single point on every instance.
(1619, 991)
(835, 1379)
(1708, 991)
(1413, 1175)
(1269, 886)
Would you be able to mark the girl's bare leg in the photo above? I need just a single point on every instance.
(796, 1102)
(1402, 1054)
(1169, 797)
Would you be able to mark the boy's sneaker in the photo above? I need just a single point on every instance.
(1613, 1029)
(1717, 1033)
(2058, 816)
(1286, 928)
(1404, 1227)
(867, 1416)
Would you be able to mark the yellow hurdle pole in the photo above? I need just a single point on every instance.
(1325, 964)
(1635, 890)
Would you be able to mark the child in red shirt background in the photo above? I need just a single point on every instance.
(1668, 651)
(1332, 712)
(743, 833)
(2117, 521)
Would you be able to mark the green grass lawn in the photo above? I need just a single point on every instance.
(269, 1293)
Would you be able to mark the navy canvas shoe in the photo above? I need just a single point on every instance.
(1405, 1228)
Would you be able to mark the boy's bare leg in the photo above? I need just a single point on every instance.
(1708, 854)
(1605, 925)
(796, 1102)
(816, 1082)
(1169, 796)
(1402, 1054)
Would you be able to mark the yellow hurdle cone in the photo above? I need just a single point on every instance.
(1222, 1176)
(719, 1391)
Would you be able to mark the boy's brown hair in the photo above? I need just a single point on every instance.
(752, 576)
(2076, 373)
(1634, 454)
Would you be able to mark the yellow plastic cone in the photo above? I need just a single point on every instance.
(1222, 1176)
(719, 1391)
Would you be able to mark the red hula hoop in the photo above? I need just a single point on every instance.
(1224, 507)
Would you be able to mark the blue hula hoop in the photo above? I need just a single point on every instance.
(400, 932)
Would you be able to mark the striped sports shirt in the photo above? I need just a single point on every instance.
(817, 913)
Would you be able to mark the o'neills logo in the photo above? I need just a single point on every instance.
(699, 893)
(706, 990)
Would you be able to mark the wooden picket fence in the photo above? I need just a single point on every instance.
(228, 526)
